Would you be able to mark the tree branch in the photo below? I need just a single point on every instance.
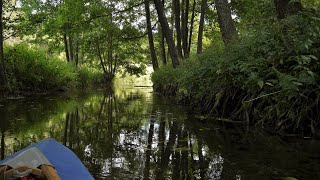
(141, 36)
(129, 8)
(117, 12)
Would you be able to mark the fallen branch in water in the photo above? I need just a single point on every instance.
(219, 119)
(259, 97)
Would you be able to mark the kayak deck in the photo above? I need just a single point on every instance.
(54, 158)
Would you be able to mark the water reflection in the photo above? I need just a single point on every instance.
(135, 134)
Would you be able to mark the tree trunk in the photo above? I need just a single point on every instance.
(183, 23)
(101, 59)
(226, 23)
(191, 26)
(162, 44)
(66, 48)
(176, 11)
(71, 49)
(163, 47)
(285, 8)
(185, 28)
(167, 33)
(111, 64)
(201, 25)
(150, 37)
(171, 20)
(3, 79)
(115, 66)
(77, 52)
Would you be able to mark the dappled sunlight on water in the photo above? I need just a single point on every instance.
(132, 133)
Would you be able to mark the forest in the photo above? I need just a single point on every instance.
(253, 62)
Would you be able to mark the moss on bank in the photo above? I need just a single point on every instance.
(270, 78)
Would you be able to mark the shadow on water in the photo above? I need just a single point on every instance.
(135, 134)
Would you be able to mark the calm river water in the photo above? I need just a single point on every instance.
(133, 133)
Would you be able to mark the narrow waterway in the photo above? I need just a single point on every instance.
(133, 133)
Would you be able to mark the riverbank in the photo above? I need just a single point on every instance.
(268, 79)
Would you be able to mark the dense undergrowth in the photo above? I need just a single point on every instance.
(32, 69)
(270, 78)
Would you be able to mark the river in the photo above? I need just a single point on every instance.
(133, 133)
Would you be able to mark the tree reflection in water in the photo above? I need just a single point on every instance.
(135, 134)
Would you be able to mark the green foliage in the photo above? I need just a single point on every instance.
(31, 69)
(271, 74)
(97, 30)
(165, 76)
(89, 76)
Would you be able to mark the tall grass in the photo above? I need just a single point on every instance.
(31, 69)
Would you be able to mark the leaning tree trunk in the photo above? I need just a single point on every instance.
(162, 44)
(150, 37)
(167, 33)
(226, 23)
(201, 25)
(285, 8)
(185, 15)
(176, 11)
(191, 25)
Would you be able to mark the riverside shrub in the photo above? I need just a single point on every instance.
(31, 69)
(270, 77)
